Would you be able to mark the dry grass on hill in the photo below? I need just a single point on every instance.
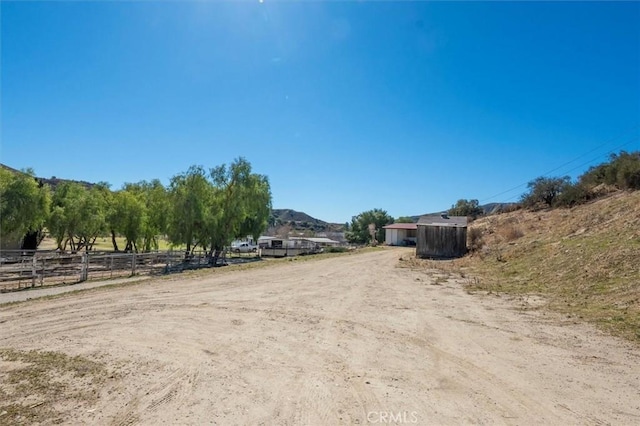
(585, 261)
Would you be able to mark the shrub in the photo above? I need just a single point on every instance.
(335, 249)
(511, 232)
(622, 170)
(573, 194)
(475, 239)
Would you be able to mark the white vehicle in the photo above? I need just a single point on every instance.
(244, 248)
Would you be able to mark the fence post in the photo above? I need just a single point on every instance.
(133, 263)
(44, 268)
(84, 269)
(34, 270)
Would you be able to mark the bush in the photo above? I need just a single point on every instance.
(475, 239)
(628, 171)
(573, 194)
(511, 232)
(622, 170)
(336, 249)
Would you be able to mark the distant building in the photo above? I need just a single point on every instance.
(314, 241)
(441, 236)
(274, 242)
(400, 234)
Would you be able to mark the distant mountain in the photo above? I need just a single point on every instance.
(301, 221)
(52, 181)
(288, 215)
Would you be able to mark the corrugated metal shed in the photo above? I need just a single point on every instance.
(441, 236)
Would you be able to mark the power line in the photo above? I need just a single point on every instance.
(633, 129)
(635, 138)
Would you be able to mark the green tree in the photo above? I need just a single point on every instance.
(110, 213)
(93, 223)
(129, 217)
(64, 212)
(469, 208)
(573, 194)
(24, 204)
(359, 233)
(545, 191)
(622, 171)
(78, 216)
(190, 207)
(628, 170)
(241, 205)
(405, 219)
(156, 200)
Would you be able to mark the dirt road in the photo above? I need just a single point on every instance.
(347, 340)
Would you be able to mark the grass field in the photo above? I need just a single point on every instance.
(104, 244)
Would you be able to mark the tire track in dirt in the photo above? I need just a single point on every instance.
(329, 342)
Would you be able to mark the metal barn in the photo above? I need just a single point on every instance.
(441, 236)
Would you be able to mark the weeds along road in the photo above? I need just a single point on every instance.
(345, 340)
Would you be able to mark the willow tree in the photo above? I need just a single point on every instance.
(241, 205)
(155, 198)
(211, 210)
(190, 201)
(24, 204)
(129, 217)
(78, 216)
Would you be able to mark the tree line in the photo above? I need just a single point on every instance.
(205, 209)
(621, 172)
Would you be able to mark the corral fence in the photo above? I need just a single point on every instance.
(289, 251)
(30, 269)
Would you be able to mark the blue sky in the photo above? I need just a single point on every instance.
(346, 106)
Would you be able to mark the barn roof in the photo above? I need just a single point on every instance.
(443, 220)
(408, 226)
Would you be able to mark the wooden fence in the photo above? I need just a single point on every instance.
(288, 251)
(25, 269)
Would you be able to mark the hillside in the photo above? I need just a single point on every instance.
(288, 215)
(53, 181)
(302, 221)
(584, 261)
